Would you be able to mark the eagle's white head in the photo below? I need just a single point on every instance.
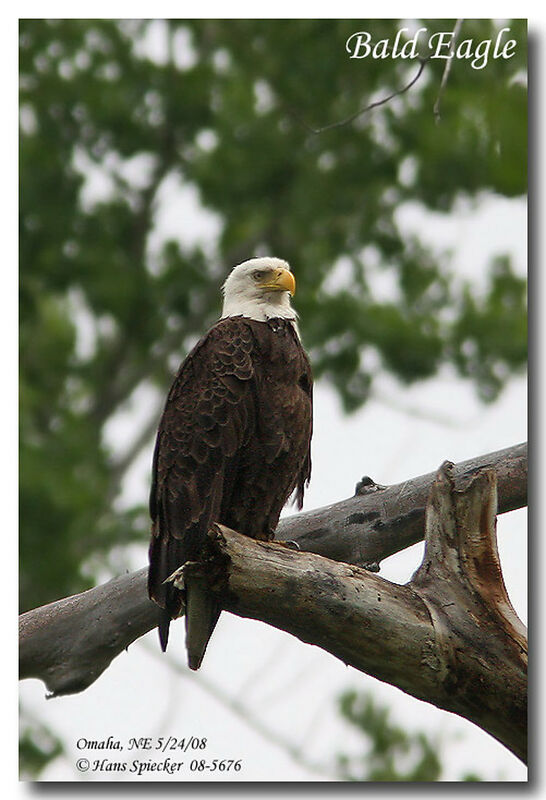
(260, 289)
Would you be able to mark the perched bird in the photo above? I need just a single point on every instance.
(234, 440)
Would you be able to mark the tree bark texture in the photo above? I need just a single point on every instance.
(380, 521)
(450, 636)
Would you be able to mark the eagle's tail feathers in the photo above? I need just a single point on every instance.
(163, 628)
(202, 614)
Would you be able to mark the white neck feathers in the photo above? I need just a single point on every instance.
(245, 295)
(260, 311)
(258, 308)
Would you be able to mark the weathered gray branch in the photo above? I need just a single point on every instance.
(449, 637)
(69, 643)
(378, 522)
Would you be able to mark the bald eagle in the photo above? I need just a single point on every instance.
(234, 440)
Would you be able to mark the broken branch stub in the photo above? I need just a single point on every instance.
(481, 642)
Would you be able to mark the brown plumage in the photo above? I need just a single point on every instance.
(233, 445)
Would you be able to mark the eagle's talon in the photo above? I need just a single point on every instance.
(290, 543)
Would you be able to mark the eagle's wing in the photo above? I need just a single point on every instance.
(209, 416)
(304, 476)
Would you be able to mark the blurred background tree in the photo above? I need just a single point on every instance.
(119, 119)
(390, 753)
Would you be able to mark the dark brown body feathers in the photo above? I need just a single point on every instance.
(233, 444)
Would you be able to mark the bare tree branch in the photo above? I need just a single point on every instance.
(69, 643)
(347, 121)
(449, 637)
(447, 70)
(380, 521)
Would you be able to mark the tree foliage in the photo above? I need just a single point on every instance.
(119, 119)
(218, 106)
(38, 745)
(390, 752)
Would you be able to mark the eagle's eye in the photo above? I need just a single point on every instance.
(257, 274)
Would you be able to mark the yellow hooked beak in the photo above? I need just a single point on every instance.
(282, 281)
